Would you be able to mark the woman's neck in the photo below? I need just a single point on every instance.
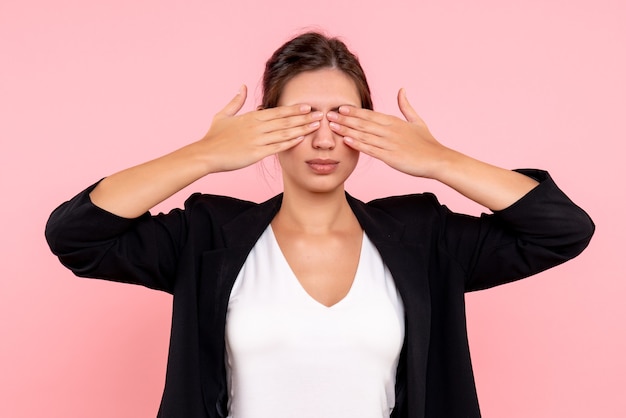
(315, 213)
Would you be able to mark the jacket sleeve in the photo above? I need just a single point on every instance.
(541, 230)
(92, 242)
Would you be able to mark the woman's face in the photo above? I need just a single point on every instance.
(322, 162)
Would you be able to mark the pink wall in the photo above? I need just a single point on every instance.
(87, 88)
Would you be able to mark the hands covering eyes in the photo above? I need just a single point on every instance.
(237, 141)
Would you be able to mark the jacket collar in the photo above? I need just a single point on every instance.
(378, 225)
(245, 229)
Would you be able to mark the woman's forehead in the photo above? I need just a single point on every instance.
(324, 89)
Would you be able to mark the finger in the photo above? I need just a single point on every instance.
(283, 112)
(292, 121)
(407, 110)
(375, 123)
(364, 114)
(235, 104)
(289, 134)
(368, 149)
(277, 147)
(358, 135)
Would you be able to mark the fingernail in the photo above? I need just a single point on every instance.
(305, 108)
(333, 125)
(344, 109)
(315, 124)
(317, 115)
(332, 115)
(348, 140)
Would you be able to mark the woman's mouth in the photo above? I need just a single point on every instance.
(322, 166)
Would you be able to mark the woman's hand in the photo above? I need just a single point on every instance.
(236, 141)
(406, 145)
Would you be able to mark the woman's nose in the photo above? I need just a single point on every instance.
(324, 137)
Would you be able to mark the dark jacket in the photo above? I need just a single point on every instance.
(434, 255)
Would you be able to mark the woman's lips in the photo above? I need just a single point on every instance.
(322, 166)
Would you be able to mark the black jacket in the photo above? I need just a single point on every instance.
(434, 255)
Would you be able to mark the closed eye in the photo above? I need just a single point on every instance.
(334, 109)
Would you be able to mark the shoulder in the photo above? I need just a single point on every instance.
(408, 208)
(394, 217)
(200, 201)
(216, 205)
(223, 209)
(404, 201)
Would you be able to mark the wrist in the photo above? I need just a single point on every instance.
(443, 165)
(200, 157)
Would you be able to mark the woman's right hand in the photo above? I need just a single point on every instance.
(234, 141)
(237, 141)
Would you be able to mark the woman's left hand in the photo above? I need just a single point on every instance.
(406, 145)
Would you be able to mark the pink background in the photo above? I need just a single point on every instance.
(90, 87)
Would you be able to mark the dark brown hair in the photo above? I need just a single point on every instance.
(308, 52)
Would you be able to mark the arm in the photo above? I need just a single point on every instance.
(542, 229)
(534, 225)
(408, 146)
(106, 230)
(233, 142)
(92, 242)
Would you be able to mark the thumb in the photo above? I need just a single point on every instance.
(236, 103)
(407, 110)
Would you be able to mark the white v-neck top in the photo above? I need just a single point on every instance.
(289, 356)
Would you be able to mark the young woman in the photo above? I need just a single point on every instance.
(315, 304)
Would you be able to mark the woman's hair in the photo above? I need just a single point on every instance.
(308, 52)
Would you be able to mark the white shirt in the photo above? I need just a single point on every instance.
(290, 356)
